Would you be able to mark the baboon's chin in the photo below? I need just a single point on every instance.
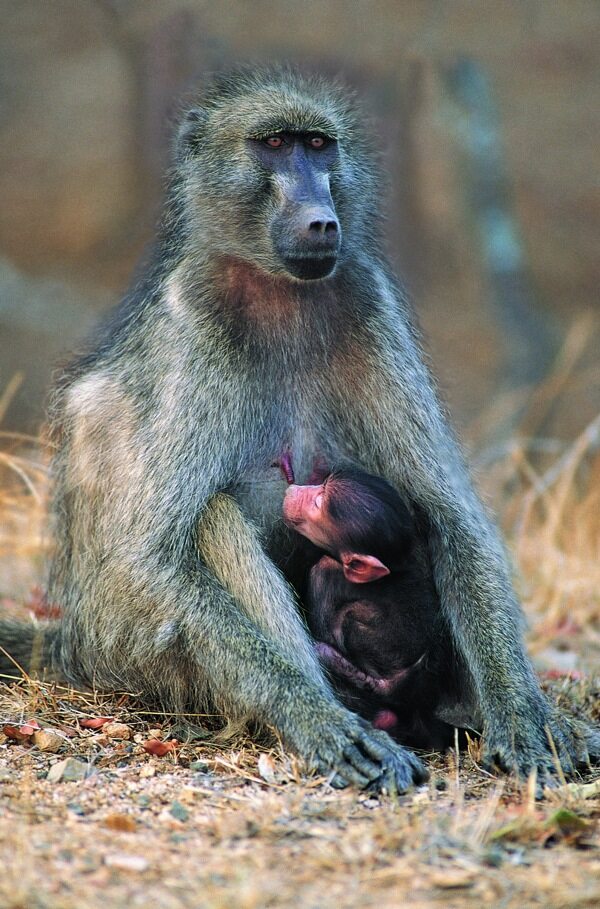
(307, 269)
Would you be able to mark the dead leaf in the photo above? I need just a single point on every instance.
(96, 722)
(581, 790)
(14, 733)
(158, 748)
(21, 733)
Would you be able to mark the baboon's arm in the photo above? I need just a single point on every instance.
(230, 547)
(415, 450)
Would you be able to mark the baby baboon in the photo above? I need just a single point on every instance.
(268, 316)
(372, 605)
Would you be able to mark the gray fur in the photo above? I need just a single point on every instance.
(167, 511)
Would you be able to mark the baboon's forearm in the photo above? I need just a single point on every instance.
(480, 603)
(231, 548)
(246, 671)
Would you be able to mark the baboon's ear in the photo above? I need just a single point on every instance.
(191, 132)
(361, 569)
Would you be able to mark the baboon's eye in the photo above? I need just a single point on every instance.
(317, 142)
(319, 500)
(274, 141)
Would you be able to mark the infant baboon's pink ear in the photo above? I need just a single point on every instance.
(360, 569)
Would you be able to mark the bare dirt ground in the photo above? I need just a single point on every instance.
(219, 822)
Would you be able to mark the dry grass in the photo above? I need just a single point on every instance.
(223, 822)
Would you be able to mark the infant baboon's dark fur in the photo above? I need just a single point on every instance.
(372, 605)
(267, 316)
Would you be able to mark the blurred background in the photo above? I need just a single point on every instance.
(488, 118)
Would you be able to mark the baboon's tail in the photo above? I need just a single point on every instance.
(26, 645)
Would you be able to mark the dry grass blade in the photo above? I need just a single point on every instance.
(9, 392)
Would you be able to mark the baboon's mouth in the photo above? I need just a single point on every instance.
(310, 268)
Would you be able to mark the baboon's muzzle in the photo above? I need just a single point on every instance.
(306, 233)
(307, 240)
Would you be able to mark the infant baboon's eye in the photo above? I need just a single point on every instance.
(319, 500)
(274, 141)
(317, 142)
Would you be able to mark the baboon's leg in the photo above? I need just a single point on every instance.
(250, 675)
(416, 452)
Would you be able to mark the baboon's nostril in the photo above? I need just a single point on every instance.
(323, 227)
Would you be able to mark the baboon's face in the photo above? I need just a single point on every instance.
(305, 511)
(304, 228)
(276, 175)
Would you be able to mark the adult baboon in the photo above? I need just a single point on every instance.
(268, 317)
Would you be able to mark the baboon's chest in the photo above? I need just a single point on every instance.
(261, 487)
(308, 437)
(294, 417)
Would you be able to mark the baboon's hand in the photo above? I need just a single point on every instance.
(539, 740)
(360, 755)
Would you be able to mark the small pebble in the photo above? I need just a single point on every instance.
(76, 808)
(117, 731)
(125, 862)
(68, 771)
(179, 811)
(48, 740)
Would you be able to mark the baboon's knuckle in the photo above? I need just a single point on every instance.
(357, 760)
(420, 772)
(339, 781)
